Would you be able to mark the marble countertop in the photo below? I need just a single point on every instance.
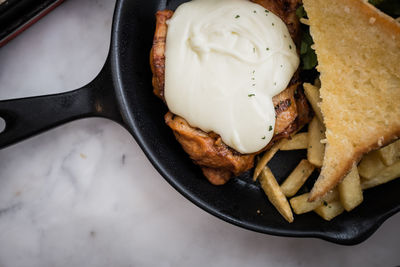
(84, 194)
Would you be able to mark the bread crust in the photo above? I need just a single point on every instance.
(319, 190)
(384, 21)
(390, 30)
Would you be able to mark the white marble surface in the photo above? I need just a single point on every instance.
(85, 195)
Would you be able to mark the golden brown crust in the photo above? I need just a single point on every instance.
(216, 176)
(385, 22)
(319, 191)
(218, 161)
(157, 58)
(285, 104)
(286, 11)
(365, 114)
(285, 108)
(208, 151)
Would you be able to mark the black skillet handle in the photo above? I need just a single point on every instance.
(26, 117)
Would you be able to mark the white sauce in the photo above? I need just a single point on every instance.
(225, 60)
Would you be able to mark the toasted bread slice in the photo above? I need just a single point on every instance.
(358, 50)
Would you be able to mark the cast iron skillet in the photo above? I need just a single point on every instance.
(123, 92)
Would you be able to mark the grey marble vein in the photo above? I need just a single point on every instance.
(84, 194)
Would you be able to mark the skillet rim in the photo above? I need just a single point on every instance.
(375, 221)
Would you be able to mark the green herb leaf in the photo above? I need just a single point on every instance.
(250, 95)
(237, 16)
(303, 48)
(300, 12)
(310, 60)
(308, 56)
(270, 128)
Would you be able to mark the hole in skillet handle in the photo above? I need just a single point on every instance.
(3, 125)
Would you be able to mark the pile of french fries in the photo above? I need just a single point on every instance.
(375, 168)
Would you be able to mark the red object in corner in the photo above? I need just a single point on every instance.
(22, 17)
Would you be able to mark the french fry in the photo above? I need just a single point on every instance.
(267, 157)
(315, 151)
(300, 204)
(370, 165)
(275, 194)
(298, 141)
(350, 191)
(305, 21)
(297, 178)
(390, 154)
(330, 210)
(386, 175)
(312, 94)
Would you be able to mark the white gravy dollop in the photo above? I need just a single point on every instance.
(225, 60)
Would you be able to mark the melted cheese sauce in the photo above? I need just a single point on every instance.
(225, 60)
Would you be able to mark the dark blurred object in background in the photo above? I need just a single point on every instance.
(18, 15)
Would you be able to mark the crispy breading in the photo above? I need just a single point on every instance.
(218, 161)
